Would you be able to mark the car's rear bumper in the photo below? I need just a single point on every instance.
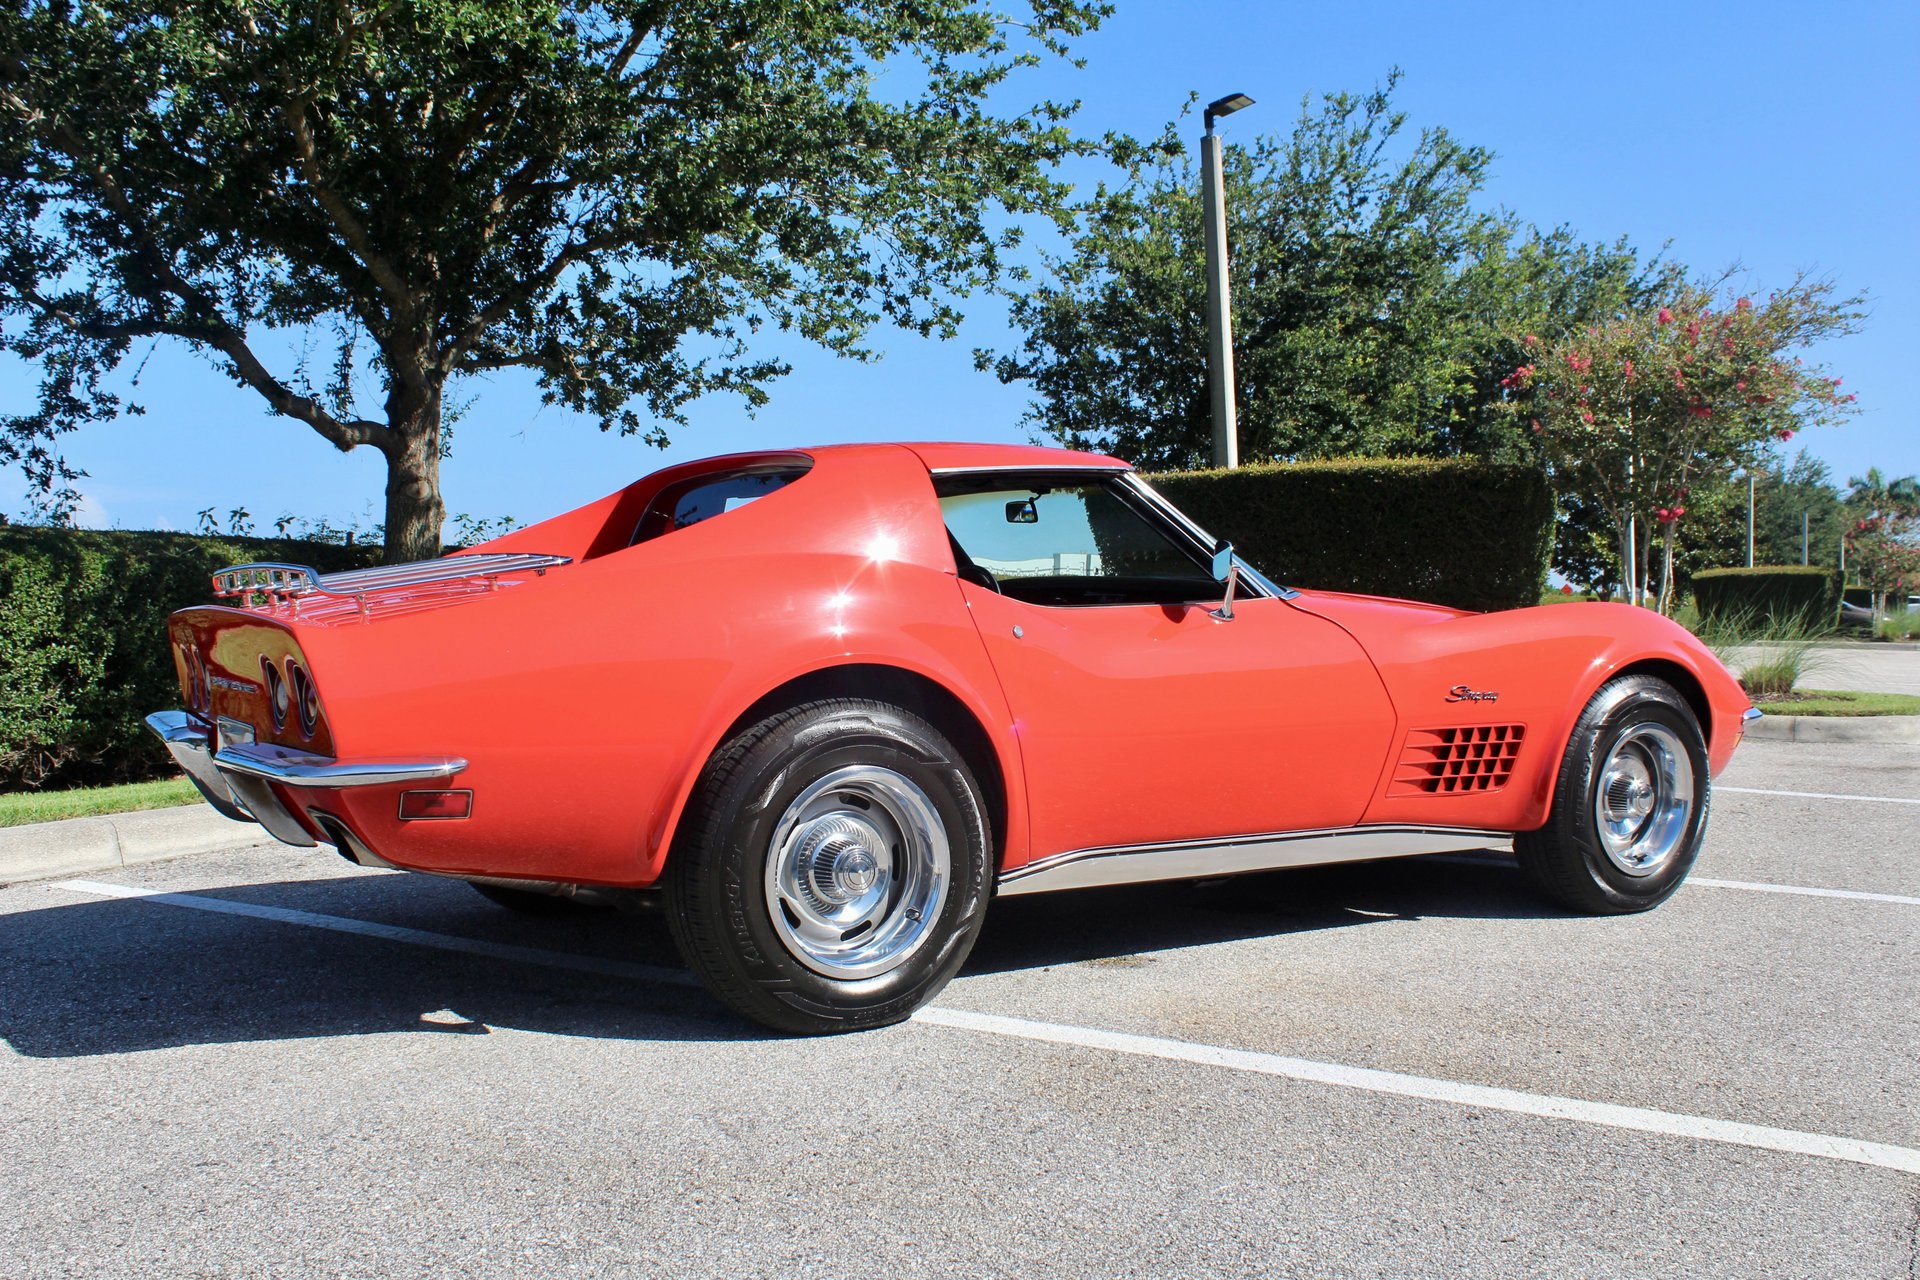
(240, 778)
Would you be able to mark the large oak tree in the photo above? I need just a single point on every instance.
(614, 196)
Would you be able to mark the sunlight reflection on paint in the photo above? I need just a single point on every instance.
(884, 548)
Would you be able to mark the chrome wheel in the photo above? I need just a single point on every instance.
(858, 869)
(1643, 799)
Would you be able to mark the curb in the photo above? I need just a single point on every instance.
(74, 845)
(1835, 729)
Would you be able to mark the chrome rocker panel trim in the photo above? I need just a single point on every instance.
(236, 779)
(1235, 855)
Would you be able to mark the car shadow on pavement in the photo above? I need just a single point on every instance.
(119, 976)
(1102, 924)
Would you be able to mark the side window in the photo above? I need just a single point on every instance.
(703, 497)
(1063, 541)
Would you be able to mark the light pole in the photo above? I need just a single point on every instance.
(1213, 200)
(1749, 517)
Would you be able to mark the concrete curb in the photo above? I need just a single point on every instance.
(1835, 729)
(77, 845)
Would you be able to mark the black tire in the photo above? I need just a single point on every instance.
(1637, 732)
(749, 820)
(530, 902)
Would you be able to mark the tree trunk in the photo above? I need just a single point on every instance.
(415, 512)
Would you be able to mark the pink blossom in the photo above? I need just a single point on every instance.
(1586, 416)
(1740, 386)
(1665, 316)
(1743, 304)
(1536, 426)
(1531, 341)
(1627, 367)
(1700, 411)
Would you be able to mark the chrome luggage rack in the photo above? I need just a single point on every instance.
(273, 584)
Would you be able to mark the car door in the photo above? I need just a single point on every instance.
(1141, 715)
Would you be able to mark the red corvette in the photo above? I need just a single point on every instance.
(829, 703)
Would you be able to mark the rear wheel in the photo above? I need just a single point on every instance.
(831, 872)
(1630, 802)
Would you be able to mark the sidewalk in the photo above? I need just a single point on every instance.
(74, 845)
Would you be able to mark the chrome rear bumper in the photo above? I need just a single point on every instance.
(237, 778)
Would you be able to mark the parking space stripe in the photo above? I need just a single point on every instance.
(1485, 1097)
(1807, 891)
(1702, 882)
(1812, 795)
(1367, 1079)
(390, 932)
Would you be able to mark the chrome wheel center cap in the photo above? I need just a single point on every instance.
(837, 860)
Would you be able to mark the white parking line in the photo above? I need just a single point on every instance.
(391, 932)
(1755, 886)
(1814, 795)
(1485, 1097)
(1702, 882)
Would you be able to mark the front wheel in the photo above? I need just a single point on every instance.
(832, 868)
(1629, 805)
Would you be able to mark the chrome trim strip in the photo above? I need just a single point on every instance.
(1748, 716)
(296, 580)
(1031, 469)
(1234, 855)
(304, 769)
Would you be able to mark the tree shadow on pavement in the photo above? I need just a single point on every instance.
(111, 976)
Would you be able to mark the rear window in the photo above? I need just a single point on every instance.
(690, 501)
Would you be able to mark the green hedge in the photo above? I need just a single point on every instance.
(83, 652)
(1769, 590)
(1456, 531)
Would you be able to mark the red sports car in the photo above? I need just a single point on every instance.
(828, 703)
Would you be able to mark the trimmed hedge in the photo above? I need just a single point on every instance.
(1769, 590)
(83, 652)
(1455, 531)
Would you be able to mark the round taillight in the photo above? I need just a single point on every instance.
(278, 699)
(305, 698)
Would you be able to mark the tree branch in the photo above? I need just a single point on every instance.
(351, 229)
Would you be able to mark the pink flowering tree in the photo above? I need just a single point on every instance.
(1634, 413)
(1883, 546)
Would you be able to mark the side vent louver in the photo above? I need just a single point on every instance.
(1458, 761)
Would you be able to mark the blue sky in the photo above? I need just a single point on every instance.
(1784, 137)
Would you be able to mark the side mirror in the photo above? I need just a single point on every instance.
(1226, 569)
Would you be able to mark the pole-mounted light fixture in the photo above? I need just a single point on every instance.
(1225, 107)
(1213, 198)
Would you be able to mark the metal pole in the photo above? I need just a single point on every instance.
(1749, 519)
(1226, 425)
(1805, 546)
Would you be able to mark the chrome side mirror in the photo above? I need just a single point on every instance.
(1226, 569)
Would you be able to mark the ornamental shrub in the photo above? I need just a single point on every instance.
(83, 651)
(1455, 531)
(1777, 591)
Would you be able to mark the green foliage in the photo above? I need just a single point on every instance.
(83, 649)
(1769, 648)
(615, 196)
(1899, 624)
(1461, 532)
(1809, 592)
(1375, 307)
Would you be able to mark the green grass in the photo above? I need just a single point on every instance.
(1828, 702)
(22, 807)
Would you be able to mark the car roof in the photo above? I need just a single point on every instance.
(961, 456)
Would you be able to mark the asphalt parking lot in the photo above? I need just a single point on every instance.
(287, 1066)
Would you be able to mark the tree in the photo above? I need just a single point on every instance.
(1375, 307)
(615, 196)
(1632, 413)
(1342, 294)
(1883, 546)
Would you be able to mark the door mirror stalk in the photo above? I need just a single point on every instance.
(1226, 569)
